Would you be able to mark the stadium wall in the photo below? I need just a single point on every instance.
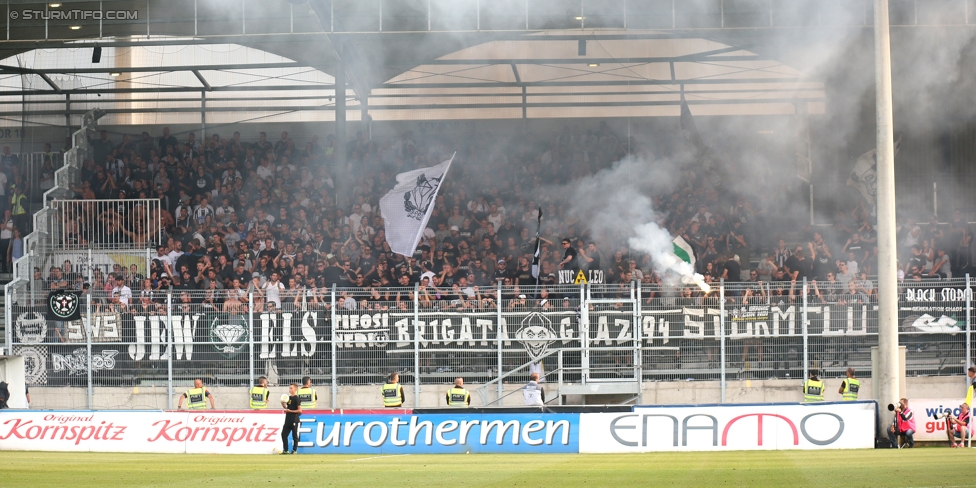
(367, 396)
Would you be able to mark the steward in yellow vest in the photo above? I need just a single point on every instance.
(259, 394)
(813, 388)
(307, 395)
(458, 396)
(196, 397)
(393, 392)
(850, 386)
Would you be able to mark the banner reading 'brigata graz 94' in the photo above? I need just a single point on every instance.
(848, 425)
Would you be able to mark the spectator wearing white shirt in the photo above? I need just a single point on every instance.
(163, 257)
(265, 170)
(273, 289)
(119, 290)
(202, 211)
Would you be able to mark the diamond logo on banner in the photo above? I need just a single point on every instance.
(228, 335)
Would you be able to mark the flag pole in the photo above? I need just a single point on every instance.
(536, 265)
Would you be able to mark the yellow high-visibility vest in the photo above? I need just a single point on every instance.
(17, 202)
(196, 398)
(851, 386)
(259, 397)
(307, 397)
(813, 391)
(458, 397)
(392, 395)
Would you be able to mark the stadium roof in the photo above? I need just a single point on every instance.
(426, 59)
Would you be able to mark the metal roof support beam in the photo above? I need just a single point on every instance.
(152, 69)
(178, 89)
(581, 60)
(203, 81)
(50, 82)
(287, 109)
(635, 82)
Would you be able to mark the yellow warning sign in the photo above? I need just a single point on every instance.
(580, 278)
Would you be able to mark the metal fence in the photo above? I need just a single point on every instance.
(39, 169)
(140, 336)
(106, 224)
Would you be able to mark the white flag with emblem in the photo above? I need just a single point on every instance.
(407, 207)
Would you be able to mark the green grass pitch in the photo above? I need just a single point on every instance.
(869, 468)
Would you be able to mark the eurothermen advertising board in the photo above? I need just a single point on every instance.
(440, 433)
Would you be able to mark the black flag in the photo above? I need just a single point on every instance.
(63, 305)
(538, 250)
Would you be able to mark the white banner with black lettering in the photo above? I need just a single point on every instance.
(848, 425)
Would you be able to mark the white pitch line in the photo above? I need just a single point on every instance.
(377, 457)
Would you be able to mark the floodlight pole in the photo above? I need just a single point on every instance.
(887, 263)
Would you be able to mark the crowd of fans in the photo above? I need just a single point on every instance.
(277, 218)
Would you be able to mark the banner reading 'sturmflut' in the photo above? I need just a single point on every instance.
(407, 207)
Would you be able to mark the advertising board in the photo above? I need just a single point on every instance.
(929, 413)
(259, 433)
(440, 433)
(730, 427)
(141, 431)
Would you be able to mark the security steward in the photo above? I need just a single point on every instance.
(849, 387)
(259, 394)
(196, 397)
(306, 394)
(393, 392)
(813, 388)
(18, 205)
(458, 396)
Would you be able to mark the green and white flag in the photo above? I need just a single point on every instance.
(683, 250)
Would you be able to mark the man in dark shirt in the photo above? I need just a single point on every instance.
(733, 270)
(293, 411)
(166, 142)
(569, 258)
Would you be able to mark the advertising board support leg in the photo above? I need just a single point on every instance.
(498, 337)
(335, 375)
(169, 347)
(250, 336)
(416, 345)
(88, 341)
(721, 334)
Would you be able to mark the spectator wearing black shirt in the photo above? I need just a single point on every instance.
(569, 256)
(167, 141)
(293, 412)
(590, 257)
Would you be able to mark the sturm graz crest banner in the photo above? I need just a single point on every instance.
(63, 305)
(407, 207)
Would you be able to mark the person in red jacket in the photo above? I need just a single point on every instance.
(903, 424)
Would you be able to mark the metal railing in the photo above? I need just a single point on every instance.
(40, 174)
(591, 334)
(106, 224)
